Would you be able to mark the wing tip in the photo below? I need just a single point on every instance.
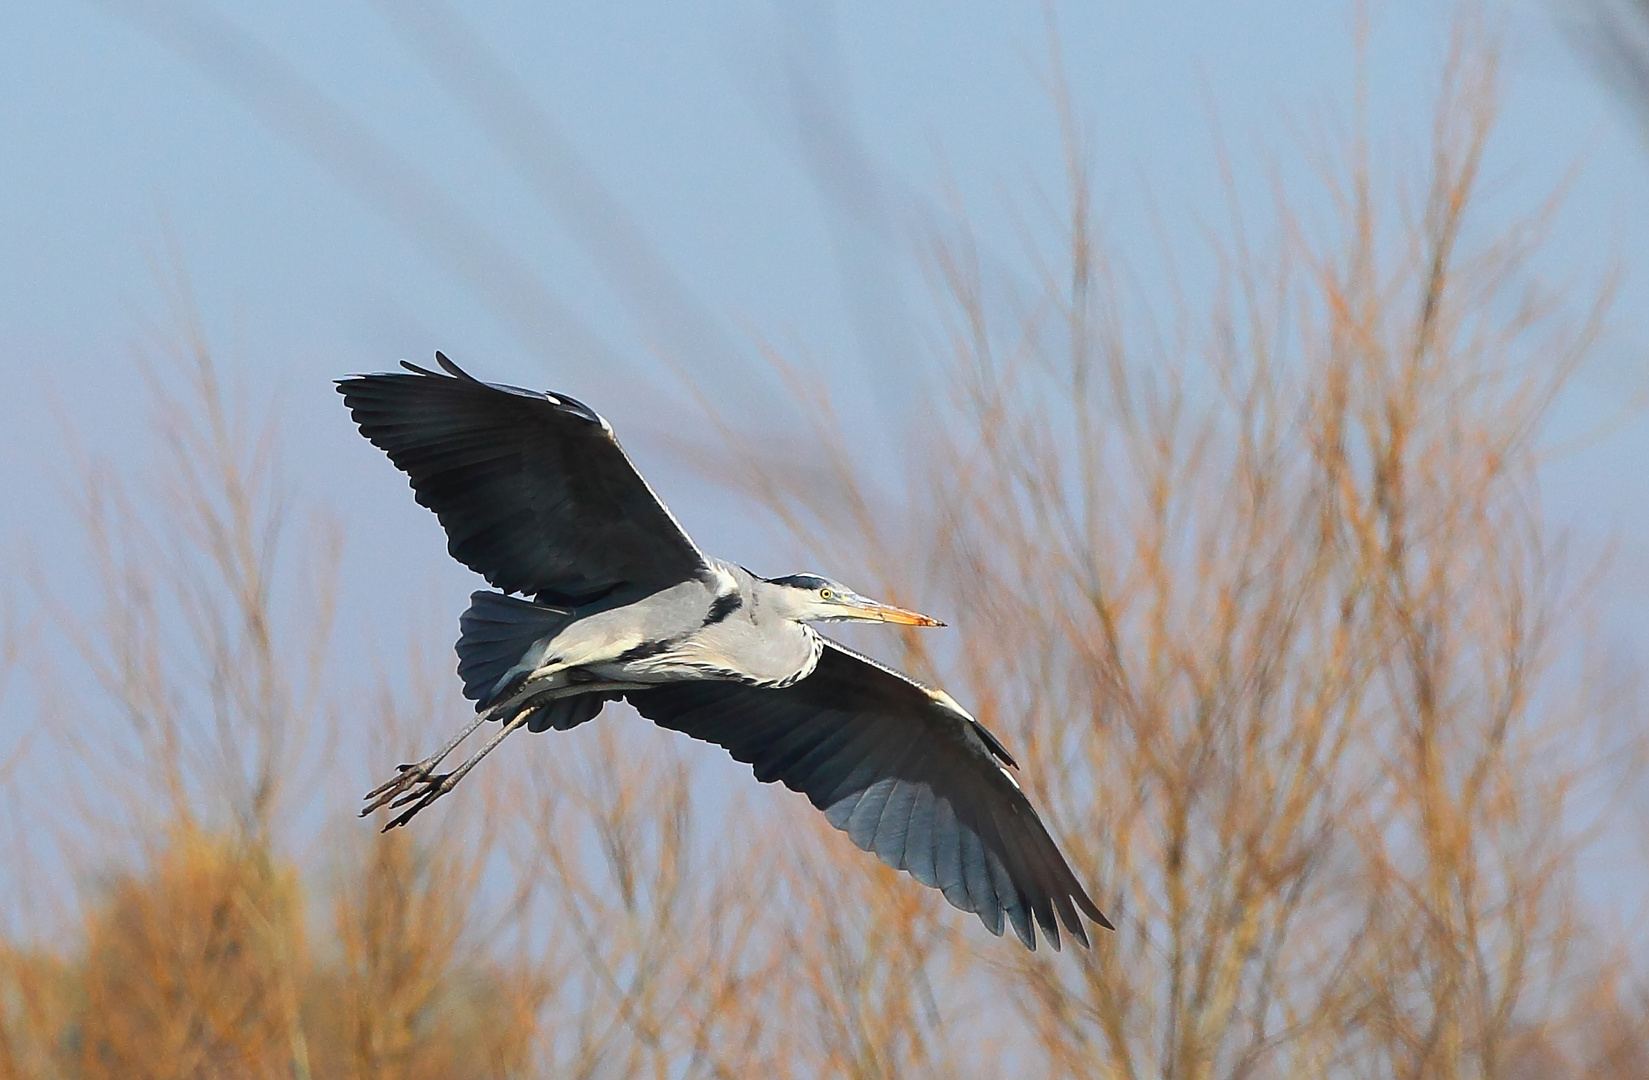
(451, 368)
(353, 381)
(441, 358)
(1073, 926)
(1090, 909)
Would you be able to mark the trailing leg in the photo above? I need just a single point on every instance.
(418, 771)
(419, 785)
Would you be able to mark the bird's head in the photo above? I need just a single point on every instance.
(810, 598)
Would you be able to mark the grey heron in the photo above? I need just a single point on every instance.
(612, 600)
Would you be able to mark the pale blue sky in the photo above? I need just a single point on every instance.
(737, 218)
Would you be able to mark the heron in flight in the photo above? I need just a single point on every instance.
(602, 596)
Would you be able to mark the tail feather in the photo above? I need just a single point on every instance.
(502, 637)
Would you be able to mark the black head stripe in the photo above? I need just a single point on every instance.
(801, 581)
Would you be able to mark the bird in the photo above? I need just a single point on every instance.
(599, 595)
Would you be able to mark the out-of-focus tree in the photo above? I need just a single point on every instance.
(199, 743)
(211, 639)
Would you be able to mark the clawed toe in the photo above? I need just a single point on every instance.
(416, 785)
(436, 784)
(393, 792)
(426, 792)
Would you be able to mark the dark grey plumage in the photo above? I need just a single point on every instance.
(535, 493)
(904, 772)
(537, 496)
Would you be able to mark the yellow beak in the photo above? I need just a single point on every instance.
(888, 613)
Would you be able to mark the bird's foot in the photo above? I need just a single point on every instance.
(419, 771)
(424, 789)
(405, 776)
(419, 783)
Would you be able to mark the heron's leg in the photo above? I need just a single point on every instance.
(426, 788)
(434, 787)
(418, 771)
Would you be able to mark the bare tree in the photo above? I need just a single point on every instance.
(212, 635)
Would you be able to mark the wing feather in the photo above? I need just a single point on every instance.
(535, 493)
(905, 773)
(893, 828)
(919, 838)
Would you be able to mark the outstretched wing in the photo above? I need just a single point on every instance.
(905, 772)
(533, 490)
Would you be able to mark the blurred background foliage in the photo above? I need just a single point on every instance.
(1261, 594)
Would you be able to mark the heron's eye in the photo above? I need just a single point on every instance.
(826, 594)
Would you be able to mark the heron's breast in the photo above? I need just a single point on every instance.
(775, 654)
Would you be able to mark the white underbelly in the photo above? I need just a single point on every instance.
(696, 658)
(629, 645)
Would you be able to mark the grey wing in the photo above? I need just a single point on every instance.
(904, 772)
(533, 490)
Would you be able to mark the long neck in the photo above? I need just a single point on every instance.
(773, 646)
(766, 603)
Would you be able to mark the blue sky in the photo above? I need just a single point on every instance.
(693, 199)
